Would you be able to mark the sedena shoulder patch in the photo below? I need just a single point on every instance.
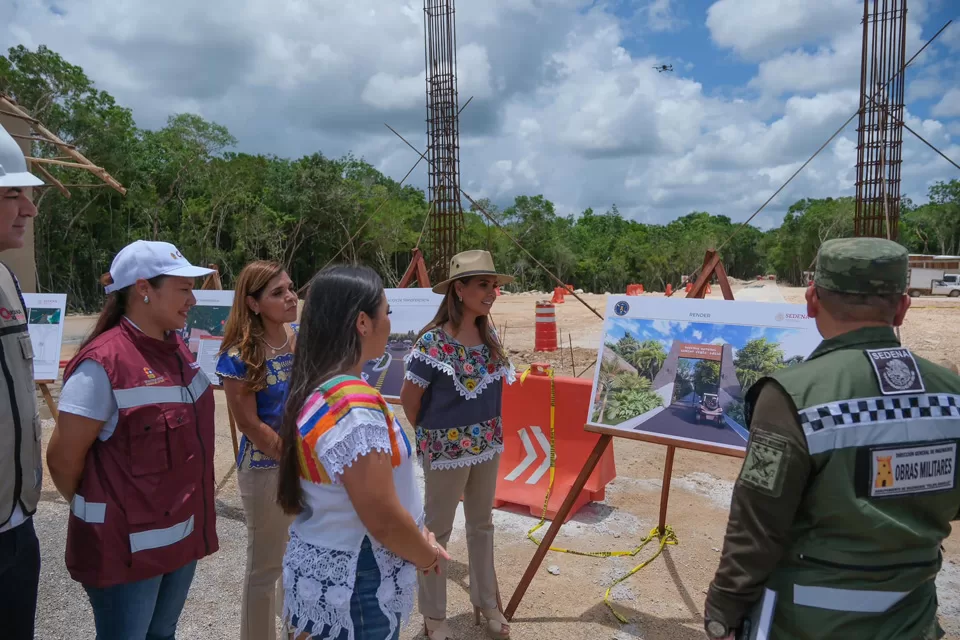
(763, 467)
(896, 371)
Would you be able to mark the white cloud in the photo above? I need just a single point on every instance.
(560, 104)
(661, 16)
(697, 335)
(754, 28)
(949, 105)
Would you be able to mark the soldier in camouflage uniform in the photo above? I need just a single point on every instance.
(849, 483)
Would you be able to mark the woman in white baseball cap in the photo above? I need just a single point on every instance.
(133, 449)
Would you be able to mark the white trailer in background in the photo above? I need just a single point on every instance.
(934, 275)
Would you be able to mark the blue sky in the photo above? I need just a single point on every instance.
(792, 341)
(566, 102)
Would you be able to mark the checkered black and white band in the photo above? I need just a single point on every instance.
(880, 409)
(881, 421)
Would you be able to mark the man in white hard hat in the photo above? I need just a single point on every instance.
(21, 470)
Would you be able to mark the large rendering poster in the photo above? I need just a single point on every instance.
(411, 310)
(676, 371)
(45, 312)
(203, 332)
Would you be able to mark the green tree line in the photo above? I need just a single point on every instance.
(185, 185)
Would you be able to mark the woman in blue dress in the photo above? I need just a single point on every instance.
(254, 366)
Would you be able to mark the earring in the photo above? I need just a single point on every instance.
(146, 300)
(460, 298)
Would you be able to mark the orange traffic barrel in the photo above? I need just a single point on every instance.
(669, 290)
(546, 335)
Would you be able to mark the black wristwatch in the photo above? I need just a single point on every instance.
(716, 629)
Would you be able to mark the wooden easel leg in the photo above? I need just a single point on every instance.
(665, 489)
(48, 398)
(233, 433)
(548, 539)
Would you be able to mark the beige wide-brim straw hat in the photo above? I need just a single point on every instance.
(469, 264)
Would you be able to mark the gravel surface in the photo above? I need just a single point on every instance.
(662, 602)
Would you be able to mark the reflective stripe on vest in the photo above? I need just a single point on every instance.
(881, 420)
(142, 396)
(156, 538)
(92, 512)
(855, 600)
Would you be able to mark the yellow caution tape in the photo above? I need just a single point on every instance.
(668, 537)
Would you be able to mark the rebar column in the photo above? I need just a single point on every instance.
(443, 136)
(880, 134)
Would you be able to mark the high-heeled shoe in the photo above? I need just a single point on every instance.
(497, 626)
(436, 629)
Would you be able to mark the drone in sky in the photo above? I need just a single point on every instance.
(663, 67)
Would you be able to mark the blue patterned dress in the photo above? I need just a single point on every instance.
(270, 400)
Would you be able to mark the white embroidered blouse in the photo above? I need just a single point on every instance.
(343, 420)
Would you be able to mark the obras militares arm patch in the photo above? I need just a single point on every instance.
(765, 463)
(896, 371)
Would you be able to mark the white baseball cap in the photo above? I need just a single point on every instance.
(146, 260)
(13, 166)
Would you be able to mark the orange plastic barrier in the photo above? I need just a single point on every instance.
(772, 277)
(669, 290)
(525, 463)
(545, 337)
(688, 287)
(557, 296)
(634, 289)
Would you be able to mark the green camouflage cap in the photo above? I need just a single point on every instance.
(869, 266)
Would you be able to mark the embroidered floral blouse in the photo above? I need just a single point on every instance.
(270, 400)
(460, 413)
(342, 420)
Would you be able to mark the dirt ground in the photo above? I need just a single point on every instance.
(664, 601)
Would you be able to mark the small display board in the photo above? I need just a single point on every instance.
(675, 371)
(203, 332)
(45, 317)
(411, 310)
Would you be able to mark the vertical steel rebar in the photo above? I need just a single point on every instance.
(880, 131)
(443, 136)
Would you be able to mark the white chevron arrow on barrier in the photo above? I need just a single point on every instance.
(531, 456)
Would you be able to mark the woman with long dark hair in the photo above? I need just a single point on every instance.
(453, 395)
(256, 358)
(132, 451)
(346, 474)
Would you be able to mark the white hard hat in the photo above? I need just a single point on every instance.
(146, 259)
(13, 166)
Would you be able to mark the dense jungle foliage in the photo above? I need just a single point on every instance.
(186, 186)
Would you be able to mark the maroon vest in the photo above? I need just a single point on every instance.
(145, 503)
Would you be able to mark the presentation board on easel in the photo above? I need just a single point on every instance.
(674, 372)
(410, 311)
(203, 332)
(45, 317)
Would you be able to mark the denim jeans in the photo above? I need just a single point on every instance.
(369, 622)
(19, 579)
(144, 610)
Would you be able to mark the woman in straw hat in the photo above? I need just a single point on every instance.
(453, 395)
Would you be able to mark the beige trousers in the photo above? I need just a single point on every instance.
(477, 484)
(267, 527)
